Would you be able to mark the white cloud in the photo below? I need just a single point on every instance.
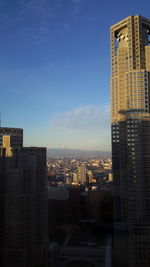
(86, 118)
(41, 10)
(85, 127)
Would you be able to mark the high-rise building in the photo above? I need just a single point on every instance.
(130, 116)
(17, 134)
(81, 173)
(90, 176)
(23, 204)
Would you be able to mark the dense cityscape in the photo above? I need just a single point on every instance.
(82, 190)
(79, 171)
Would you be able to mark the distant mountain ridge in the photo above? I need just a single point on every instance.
(71, 153)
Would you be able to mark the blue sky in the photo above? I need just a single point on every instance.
(54, 69)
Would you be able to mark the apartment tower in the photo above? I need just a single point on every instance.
(81, 173)
(23, 202)
(130, 117)
(17, 134)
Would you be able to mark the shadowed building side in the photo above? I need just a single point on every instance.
(24, 205)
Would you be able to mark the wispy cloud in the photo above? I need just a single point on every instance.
(41, 11)
(36, 19)
(83, 118)
(86, 127)
(31, 18)
(77, 6)
(36, 7)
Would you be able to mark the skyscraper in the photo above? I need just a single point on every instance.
(81, 173)
(17, 134)
(130, 116)
(23, 203)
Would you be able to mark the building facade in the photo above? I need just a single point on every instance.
(23, 194)
(17, 134)
(81, 173)
(130, 117)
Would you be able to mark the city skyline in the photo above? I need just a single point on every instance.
(55, 74)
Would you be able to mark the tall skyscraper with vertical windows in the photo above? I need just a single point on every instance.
(23, 202)
(130, 116)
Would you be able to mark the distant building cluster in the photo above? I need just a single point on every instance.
(80, 212)
(79, 171)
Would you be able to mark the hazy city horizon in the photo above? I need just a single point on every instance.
(68, 152)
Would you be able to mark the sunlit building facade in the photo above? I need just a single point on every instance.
(16, 135)
(130, 117)
(81, 173)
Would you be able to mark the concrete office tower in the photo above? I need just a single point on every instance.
(23, 205)
(90, 176)
(130, 64)
(130, 115)
(75, 178)
(81, 173)
(17, 134)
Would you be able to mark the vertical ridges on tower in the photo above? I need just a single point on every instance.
(130, 53)
(130, 116)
